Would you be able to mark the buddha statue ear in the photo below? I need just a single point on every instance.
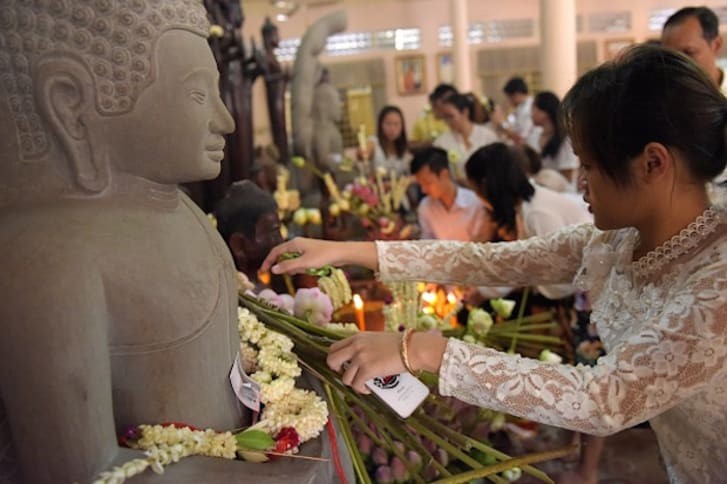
(65, 95)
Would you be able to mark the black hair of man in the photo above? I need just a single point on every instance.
(242, 207)
(442, 91)
(515, 85)
(435, 158)
(707, 20)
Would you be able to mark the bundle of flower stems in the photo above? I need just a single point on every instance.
(311, 347)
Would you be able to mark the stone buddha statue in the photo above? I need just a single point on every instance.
(118, 298)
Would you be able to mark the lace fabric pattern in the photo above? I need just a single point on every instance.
(663, 321)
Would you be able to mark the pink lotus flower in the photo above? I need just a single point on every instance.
(312, 304)
(283, 301)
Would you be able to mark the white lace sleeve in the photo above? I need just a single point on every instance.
(675, 353)
(537, 260)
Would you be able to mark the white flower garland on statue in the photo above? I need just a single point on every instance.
(268, 356)
(164, 445)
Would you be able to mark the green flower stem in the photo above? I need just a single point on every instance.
(533, 318)
(521, 312)
(470, 442)
(389, 444)
(525, 328)
(377, 412)
(380, 415)
(444, 444)
(363, 427)
(541, 338)
(508, 464)
(358, 465)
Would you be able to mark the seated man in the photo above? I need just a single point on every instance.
(122, 305)
(448, 211)
(247, 219)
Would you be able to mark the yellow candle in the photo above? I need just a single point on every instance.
(359, 307)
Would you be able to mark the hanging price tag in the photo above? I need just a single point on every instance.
(246, 389)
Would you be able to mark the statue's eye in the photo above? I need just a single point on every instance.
(199, 96)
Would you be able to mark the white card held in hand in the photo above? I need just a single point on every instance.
(402, 392)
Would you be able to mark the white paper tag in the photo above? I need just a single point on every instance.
(246, 389)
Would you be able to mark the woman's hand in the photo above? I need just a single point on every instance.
(365, 356)
(316, 253)
(370, 354)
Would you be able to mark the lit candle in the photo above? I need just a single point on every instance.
(359, 307)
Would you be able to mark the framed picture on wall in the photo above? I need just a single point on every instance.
(410, 75)
(445, 68)
(613, 46)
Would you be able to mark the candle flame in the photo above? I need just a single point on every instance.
(264, 277)
(451, 298)
(429, 297)
(357, 302)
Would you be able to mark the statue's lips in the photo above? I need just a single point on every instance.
(215, 151)
(215, 155)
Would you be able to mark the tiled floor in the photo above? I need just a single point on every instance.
(629, 457)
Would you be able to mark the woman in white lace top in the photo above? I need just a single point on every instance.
(649, 129)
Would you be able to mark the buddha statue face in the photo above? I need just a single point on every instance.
(104, 93)
(175, 132)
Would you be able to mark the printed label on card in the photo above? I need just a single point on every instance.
(246, 389)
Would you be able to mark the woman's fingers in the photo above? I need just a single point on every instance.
(339, 353)
(275, 253)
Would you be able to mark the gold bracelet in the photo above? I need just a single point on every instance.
(404, 350)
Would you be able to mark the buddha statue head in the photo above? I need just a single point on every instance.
(101, 94)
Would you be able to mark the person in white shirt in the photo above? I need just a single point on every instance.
(553, 145)
(519, 127)
(388, 149)
(464, 136)
(448, 211)
(518, 208)
(694, 31)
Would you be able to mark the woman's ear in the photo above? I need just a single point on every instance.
(66, 97)
(655, 162)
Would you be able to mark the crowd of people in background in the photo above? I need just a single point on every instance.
(496, 173)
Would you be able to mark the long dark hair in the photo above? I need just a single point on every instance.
(400, 143)
(649, 94)
(549, 103)
(496, 175)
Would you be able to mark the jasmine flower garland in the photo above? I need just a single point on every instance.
(275, 368)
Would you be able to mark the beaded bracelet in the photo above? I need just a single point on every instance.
(404, 350)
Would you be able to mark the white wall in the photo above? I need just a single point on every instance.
(429, 15)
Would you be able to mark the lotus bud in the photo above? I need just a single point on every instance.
(365, 444)
(414, 459)
(479, 322)
(399, 470)
(383, 475)
(380, 456)
(442, 456)
(513, 474)
(503, 307)
(344, 204)
(548, 356)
